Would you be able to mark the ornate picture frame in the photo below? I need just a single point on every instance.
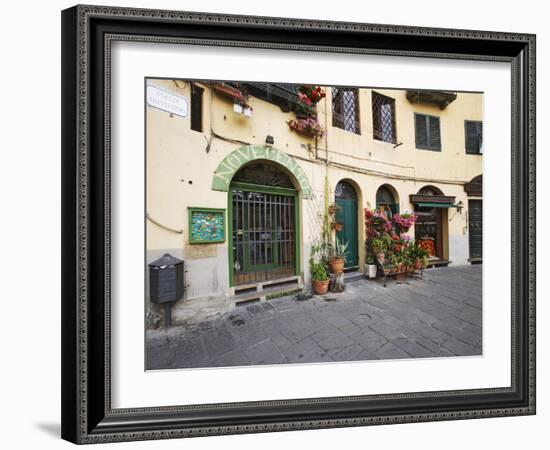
(87, 35)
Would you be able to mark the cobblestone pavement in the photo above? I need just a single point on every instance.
(434, 317)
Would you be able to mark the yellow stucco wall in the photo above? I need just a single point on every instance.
(181, 163)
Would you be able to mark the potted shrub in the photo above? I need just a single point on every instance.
(338, 256)
(370, 267)
(319, 277)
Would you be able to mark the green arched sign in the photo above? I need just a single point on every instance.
(238, 158)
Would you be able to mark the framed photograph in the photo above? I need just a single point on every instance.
(279, 224)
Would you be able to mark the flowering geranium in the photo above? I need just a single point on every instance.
(308, 126)
(376, 220)
(311, 95)
(404, 221)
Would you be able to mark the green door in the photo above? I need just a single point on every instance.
(346, 200)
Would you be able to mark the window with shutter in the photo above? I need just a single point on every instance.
(427, 132)
(473, 131)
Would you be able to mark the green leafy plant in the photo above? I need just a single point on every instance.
(318, 271)
(340, 249)
(379, 243)
(370, 260)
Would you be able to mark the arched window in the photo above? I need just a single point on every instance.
(345, 191)
(386, 202)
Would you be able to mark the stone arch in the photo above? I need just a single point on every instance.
(229, 166)
(430, 190)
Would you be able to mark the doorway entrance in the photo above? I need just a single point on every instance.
(475, 227)
(346, 213)
(264, 223)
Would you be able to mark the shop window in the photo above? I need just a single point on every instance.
(473, 131)
(345, 109)
(427, 132)
(383, 118)
(196, 108)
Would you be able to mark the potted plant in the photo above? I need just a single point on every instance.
(319, 277)
(403, 222)
(378, 246)
(417, 254)
(337, 226)
(425, 261)
(333, 207)
(370, 267)
(338, 256)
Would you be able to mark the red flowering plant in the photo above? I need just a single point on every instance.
(308, 97)
(311, 95)
(403, 222)
(400, 242)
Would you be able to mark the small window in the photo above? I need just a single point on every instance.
(196, 107)
(383, 118)
(345, 109)
(473, 135)
(427, 132)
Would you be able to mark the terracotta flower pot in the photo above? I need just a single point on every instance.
(320, 287)
(336, 265)
(337, 226)
(418, 264)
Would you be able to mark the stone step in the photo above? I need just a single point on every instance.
(260, 291)
(353, 276)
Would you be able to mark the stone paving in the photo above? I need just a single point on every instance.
(438, 316)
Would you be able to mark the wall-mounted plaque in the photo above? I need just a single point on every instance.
(206, 225)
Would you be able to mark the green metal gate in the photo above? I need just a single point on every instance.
(263, 234)
(346, 213)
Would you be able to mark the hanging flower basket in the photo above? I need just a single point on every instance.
(337, 226)
(403, 222)
(307, 127)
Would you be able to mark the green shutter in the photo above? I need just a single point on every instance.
(421, 131)
(473, 136)
(435, 133)
(427, 132)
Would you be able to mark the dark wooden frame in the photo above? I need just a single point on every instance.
(87, 32)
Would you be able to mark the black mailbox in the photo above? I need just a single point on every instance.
(166, 282)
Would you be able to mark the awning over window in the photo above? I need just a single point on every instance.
(436, 205)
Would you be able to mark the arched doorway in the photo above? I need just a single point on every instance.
(386, 200)
(346, 213)
(264, 224)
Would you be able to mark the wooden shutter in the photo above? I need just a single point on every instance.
(421, 131)
(434, 133)
(196, 108)
(427, 132)
(473, 136)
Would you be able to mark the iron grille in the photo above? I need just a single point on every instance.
(383, 118)
(345, 109)
(263, 236)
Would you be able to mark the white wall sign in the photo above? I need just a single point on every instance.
(167, 101)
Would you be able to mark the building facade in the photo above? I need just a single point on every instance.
(240, 196)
